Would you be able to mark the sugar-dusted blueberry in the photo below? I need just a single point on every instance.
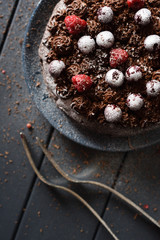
(135, 101)
(56, 67)
(114, 78)
(143, 16)
(105, 39)
(105, 14)
(133, 73)
(153, 88)
(112, 113)
(86, 44)
(152, 43)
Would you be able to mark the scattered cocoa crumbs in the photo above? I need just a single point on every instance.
(39, 213)
(28, 45)
(38, 184)
(21, 41)
(97, 175)
(85, 162)
(29, 126)
(129, 144)
(155, 209)
(56, 146)
(9, 111)
(74, 171)
(135, 216)
(38, 84)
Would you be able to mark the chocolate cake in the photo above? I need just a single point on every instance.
(101, 63)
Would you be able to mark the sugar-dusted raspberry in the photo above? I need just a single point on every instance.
(105, 14)
(114, 78)
(117, 57)
(86, 44)
(143, 16)
(112, 113)
(75, 24)
(82, 82)
(153, 88)
(135, 4)
(135, 101)
(105, 39)
(56, 67)
(152, 43)
(133, 73)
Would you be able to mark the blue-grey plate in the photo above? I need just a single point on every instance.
(58, 119)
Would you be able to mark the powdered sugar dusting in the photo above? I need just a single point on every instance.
(86, 44)
(114, 78)
(56, 67)
(112, 113)
(133, 73)
(135, 101)
(152, 42)
(153, 88)
(105, 39)
(143, 16)
(105, 14)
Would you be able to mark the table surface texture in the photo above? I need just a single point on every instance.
(29, 209)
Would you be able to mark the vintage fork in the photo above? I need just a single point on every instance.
(49, 183)
(75, 180)
(99, 184)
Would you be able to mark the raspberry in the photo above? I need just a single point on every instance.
(75, 24)
(82, 82)
(117, 57)
(135, 4)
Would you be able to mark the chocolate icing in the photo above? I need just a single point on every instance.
(77, 7)
(60, 44)
(88, 107)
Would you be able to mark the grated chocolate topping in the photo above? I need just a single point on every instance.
(128, 36)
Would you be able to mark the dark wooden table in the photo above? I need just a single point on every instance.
(31, 210)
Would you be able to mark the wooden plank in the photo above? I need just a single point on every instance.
(6, 8)
(17, 109)
(53, 214)
(140, 181)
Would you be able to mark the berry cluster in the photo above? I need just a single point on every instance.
(105, 40)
